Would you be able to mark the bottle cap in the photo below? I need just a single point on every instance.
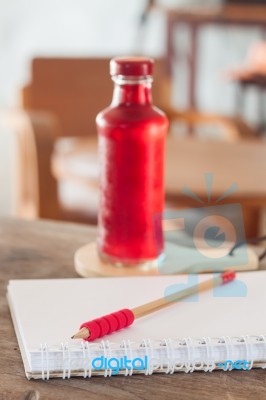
(131, 66)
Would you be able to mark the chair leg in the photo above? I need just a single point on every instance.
(240, 99)
(252, 221)
(261, 111)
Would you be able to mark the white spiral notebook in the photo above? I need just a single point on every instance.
(223, 329)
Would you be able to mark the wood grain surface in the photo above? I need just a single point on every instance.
(45, 250)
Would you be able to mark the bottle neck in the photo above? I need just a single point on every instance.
(132, 91)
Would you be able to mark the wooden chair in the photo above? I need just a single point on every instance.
(251, 74)
(61, 101)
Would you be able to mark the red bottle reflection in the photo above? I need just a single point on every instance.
(131, 147)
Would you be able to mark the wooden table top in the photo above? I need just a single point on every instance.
(45, 250)
(187, 161)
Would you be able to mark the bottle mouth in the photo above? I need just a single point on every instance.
(132, 80)
(131, 66)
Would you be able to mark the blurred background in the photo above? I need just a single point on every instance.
(210, 80)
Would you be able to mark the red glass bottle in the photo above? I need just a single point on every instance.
(131, 150)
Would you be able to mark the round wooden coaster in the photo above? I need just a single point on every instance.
(177, 260)
(88, 263)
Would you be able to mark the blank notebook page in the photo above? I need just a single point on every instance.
(51, 311)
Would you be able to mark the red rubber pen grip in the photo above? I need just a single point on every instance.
(108, 323)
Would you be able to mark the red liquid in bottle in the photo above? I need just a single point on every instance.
(131, 146)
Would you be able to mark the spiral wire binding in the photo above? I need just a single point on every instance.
(170, 347)
(204, 343)
(106, 351)
(180, 343)
(63, 357)
(66, 361)
(187, 343)
(209, 347)
(192, 364)
(262, 338)
(131, 356)
(45, 361)
(192, 348)
(201, 366)
(163, 343)
(146, 343)
(125, 345)
(151, 349)
(229, 351)
(109, 351)
(248, 343)
(86, 352)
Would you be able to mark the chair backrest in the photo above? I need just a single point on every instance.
(75, 90)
